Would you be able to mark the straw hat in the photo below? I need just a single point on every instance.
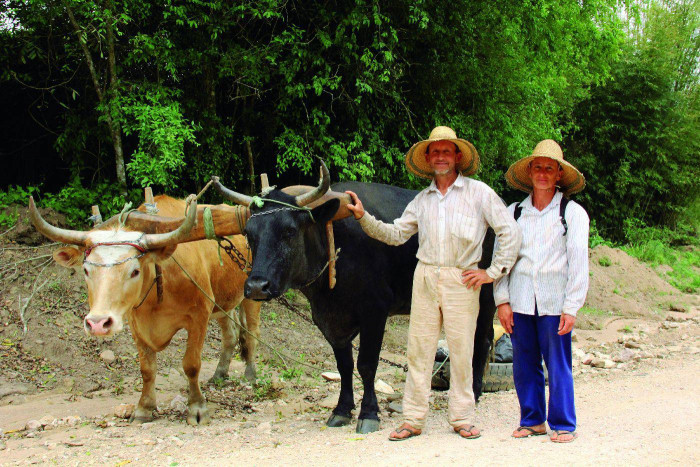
(415, 157)
(572, 181)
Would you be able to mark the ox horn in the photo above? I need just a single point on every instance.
(70, 237)
(231, 195)
(320, 190)
(179, 235)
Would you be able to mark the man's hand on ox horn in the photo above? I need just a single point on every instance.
(357, 209)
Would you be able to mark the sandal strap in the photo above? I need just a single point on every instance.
(466, 428)
(530, 429)
(411, 430)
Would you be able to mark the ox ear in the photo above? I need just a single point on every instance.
(326, 211)
(68, 257)
(161, 254)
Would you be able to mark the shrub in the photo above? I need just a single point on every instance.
(75, 201)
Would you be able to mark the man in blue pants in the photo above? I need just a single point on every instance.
(538, 301)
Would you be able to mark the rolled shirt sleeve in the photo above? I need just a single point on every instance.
(577, 258)
(508, 236)
(396, 233)
(501, 293)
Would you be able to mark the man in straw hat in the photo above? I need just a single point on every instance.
(451, 217)
(537, 302)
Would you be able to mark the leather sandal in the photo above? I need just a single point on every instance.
(412, 432)
(460, 430)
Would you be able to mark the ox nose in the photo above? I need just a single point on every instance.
(257, 288)
(98, 326)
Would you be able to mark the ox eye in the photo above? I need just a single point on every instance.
(135, 273)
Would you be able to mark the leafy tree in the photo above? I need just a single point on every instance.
(636, 139)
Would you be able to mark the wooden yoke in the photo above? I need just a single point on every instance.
(151, 206)
(225, 219)
(96, 216)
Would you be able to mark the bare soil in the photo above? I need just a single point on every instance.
(641, 411)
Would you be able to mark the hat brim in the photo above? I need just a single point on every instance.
(417, 164)
(572, 181)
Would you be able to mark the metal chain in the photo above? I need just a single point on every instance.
(116, 263)
(236, 256)
(262, 213)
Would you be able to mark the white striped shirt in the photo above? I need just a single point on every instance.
(551, 268)
(452, 227)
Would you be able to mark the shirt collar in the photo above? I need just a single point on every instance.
(461, 180)
(556, 201)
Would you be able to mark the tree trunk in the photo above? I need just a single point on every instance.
(251, 166)
(114, 129)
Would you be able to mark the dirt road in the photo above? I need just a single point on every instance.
(59, 389)
(642, 417)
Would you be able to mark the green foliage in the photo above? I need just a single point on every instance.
(594, 237)
(263, 388)
(604, 261)
(635, 139)
(589, 310)
(13, 195)
(271, 316)
(75, 201)
(684, 262)
(17, 195)
(211, 87)
(214, 86)
(638, 232)
(156, 119)
(292, 373)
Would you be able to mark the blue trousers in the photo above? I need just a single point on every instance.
(534, 338)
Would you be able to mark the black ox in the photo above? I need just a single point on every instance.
(374, 280)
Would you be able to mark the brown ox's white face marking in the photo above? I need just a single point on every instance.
(112, 290)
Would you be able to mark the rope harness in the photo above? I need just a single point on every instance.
(259, 202)
(142, 251)
(158, 279)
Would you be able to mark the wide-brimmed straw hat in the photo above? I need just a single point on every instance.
(572, 181)
(415, 157)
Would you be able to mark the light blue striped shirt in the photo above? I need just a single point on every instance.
(551, 268)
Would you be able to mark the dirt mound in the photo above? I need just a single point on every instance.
(24, 232)
(623, 286)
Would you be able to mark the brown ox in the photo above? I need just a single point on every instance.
(118, 265)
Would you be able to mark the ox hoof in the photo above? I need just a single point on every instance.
(250, 373)
(335, 420)
(218, 380)
(367, 425)
(198, 415)
(141, 416)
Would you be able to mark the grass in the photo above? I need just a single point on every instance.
(589, 310)
(605, 261)
(684, 263)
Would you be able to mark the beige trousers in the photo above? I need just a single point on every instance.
(440, 299)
